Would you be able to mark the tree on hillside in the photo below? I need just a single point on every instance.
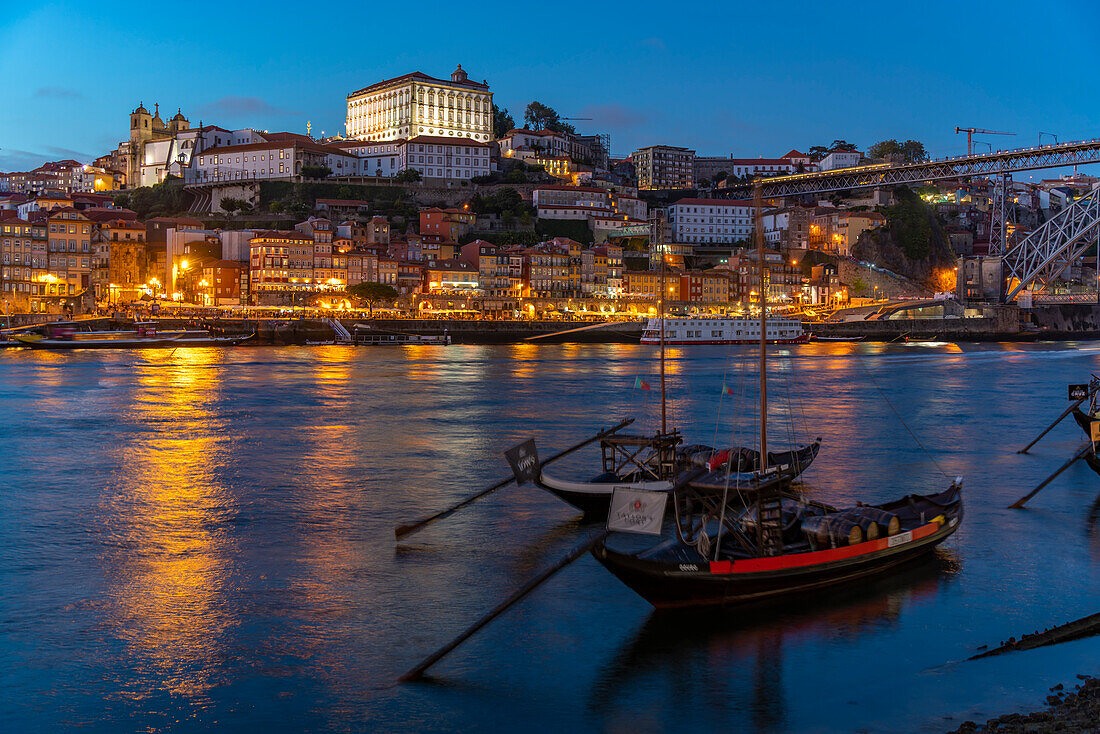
(538, 116)
(911, 151)
(372, 293)
(316, 171)
(909, 223)
(502, 122)
(408, 176)
(231, 205)
(818, 152)
(842, 146)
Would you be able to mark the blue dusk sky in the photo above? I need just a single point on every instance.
(753, 80)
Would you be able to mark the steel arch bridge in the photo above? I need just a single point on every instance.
(1040, 257)
(1047, 252)
(887, 174)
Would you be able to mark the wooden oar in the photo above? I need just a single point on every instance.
(418, 672)
(402, 530)
(1060, 418)
(1080, 454)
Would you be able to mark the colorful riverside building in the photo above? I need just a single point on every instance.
(70, 250)
(24, 274)
(221, 283)
(269, 263)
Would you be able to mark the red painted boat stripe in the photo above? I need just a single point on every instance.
(796, 560)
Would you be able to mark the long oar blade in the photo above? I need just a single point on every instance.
(1018, 504)
(403, 530)
(1060, 418)
(418, 672)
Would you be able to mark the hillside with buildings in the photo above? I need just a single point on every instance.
(435, 191)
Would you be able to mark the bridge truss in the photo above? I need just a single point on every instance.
(1041, 257)
(886, 174)
(1047, 252)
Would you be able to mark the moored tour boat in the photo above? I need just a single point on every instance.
(751, 536)
(822, 547)
(593, 498)
(143, 338)
(723, 330)
(39, 341)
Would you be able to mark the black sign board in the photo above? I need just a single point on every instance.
(1078, 392)
(524, 460)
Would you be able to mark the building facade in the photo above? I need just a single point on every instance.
(711, 221)
(664, 167)
(417, 104)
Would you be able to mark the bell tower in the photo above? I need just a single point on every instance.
(141, 123)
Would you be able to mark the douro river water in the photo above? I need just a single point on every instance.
(203, 539)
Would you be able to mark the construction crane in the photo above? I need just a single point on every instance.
(970, 131)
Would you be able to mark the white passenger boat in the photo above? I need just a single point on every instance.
(723, 330)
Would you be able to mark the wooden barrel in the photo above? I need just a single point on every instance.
(888, 522)
(828, 531)
(869, 526)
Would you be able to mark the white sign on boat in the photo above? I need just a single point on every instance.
(636, 511)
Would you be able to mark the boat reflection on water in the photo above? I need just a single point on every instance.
(728, 664)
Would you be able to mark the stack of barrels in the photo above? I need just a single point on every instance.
(849, 527)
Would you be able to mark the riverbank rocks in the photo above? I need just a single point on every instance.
(1068, 711)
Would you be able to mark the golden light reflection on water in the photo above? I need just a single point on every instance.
(173, 564)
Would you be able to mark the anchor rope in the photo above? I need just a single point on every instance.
(901, 420)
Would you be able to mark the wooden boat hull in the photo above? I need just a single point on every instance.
(1093, 461)
(695, 583)
(593, 498)
(1084, 420)
(816, 338)
(65, 344)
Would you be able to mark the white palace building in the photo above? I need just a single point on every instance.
(416, 105)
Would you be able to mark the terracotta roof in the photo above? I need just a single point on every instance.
(311, 146)
(536, 133)
(297, 137)
(793, 153)
(102, 214)
(64, 209)
(223, 264)
(418, 76)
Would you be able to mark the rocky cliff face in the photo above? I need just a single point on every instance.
(883, 248)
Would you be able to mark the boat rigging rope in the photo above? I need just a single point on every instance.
(901, 420)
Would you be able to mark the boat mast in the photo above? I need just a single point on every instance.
(758, 201)
(661, 308)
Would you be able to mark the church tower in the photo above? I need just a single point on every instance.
(458, 75)
(141, 123)
(178, 123)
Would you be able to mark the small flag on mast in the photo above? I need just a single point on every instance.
(726, 389)
(640, 384)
